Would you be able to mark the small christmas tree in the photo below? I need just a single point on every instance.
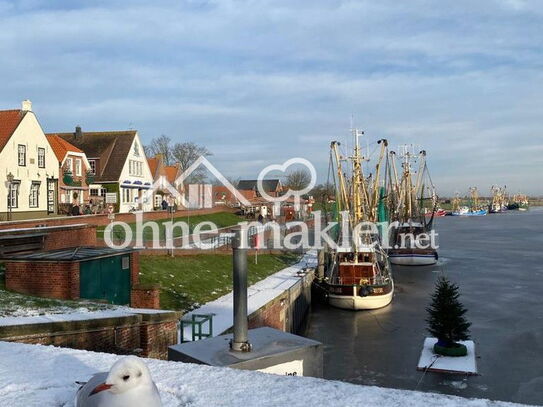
(446, 319)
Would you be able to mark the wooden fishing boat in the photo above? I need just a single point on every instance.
(499, 201)
(357, 273)
(413, 195)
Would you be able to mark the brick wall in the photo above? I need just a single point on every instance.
(134, 268)
(145, 297)
(102, 220)
(70, 237)
(62, 281)
(53, 280)
(147, 335)
(156, 337)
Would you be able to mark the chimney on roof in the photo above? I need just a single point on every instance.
(159, 157)
(78, 133)
(26, 105)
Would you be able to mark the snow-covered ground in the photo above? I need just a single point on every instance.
(42, 376)
(18, 305)
(258, 295)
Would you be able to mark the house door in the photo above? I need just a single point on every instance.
(51, 196)
(106, 279)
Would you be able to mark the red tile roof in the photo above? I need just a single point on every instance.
(171, 173)
(61, 147)
(153, 164)
(9, 120)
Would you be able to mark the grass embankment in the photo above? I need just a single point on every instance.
(188, 281)
(220, 219)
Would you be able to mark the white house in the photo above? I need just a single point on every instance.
(28, 167)
(121, 172)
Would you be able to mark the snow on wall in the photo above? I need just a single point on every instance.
(49, 380)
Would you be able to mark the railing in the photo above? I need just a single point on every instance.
(196, 324)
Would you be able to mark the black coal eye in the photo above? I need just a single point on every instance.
(125, 378)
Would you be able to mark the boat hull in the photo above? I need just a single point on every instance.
(481, 212)
(358, 303)
(413, 259)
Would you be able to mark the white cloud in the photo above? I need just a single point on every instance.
(278, 79)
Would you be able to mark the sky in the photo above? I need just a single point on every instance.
(259, 82)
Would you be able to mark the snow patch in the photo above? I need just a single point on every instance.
(49, 380)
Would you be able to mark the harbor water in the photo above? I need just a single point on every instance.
(497, 260)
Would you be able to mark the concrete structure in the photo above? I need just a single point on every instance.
(76, 175)
(122, 173)
(272, 351)
(28, 166)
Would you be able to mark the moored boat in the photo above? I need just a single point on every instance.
(413, 197)
(357, 272)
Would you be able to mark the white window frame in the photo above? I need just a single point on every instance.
(34, 196)
(69, 164)
(78, 167)
(15, 185)
(21, 155)
(41, 157)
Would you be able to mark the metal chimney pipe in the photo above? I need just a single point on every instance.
(240, 342)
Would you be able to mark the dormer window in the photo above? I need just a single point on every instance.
(92, 164)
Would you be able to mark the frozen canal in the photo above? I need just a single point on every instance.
(497, 260)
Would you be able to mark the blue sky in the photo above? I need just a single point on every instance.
(259, 82)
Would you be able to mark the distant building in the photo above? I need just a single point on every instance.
(28, 166)
(75, 173)
(272, 187)
(222, 195)
(119, 166)
(164, 175)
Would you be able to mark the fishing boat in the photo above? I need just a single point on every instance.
(412, 194)
(474, 208)
(357, 273)
(519, 202)
(499, 201)
(436, 213)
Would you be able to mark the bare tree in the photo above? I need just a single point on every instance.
(160, 145)
(298, 179)
(185, 154)
(323, 192)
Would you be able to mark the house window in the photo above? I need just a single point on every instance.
(126, 195)
(92, 166)
(68, 164)
(78, 167)
(34, 194)
(41, 157)
(21, 149)
(98, 191)
(136, 149)
(135, 168)
(13, 195)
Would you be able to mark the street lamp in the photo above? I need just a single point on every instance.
(10, 178)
